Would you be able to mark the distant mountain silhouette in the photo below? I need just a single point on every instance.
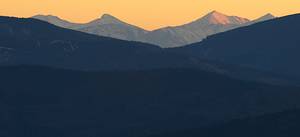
(30, 41)
(281, 124)
(41, 101)
(56, 21)
(107, 25)
(271, 46)
(195, 31)
(33, 42)
(110, 26)
(105, 19)
(266, 17)
(100, 86)
(216, 17)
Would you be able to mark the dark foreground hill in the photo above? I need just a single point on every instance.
(281, 124)
(30, 41)
(272, 46)
(33, 42)
(45, 102)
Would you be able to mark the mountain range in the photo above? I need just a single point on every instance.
(212, 23)
(67, 83)
(34, 42)
(271, 46)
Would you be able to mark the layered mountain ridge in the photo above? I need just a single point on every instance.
(110, 26)
(91, 85)
(271, 46)
(34, 42)
(56, 21)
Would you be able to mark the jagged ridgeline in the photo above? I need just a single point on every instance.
(212, 23)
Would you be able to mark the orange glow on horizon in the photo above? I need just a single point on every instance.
(144, 13)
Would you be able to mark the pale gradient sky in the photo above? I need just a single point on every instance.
(149, 14)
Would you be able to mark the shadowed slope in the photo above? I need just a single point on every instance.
(30, 41)
(272, 45)
(282, 124)
(39, 101)
(33, 42)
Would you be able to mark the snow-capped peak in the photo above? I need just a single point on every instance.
(216, 17)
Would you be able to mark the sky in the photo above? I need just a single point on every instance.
(148, 14)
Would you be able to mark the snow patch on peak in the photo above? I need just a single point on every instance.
(216, 17)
